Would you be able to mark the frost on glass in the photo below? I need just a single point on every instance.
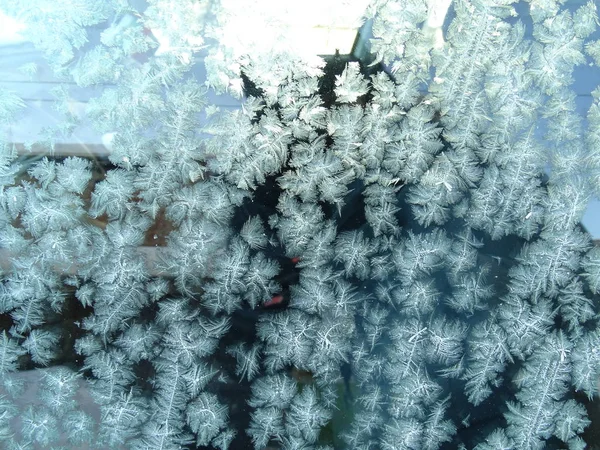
(376, 253)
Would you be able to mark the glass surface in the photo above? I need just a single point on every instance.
(299, 225)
